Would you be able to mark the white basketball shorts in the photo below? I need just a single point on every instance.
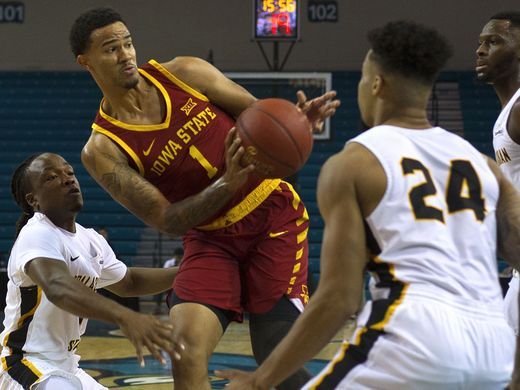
(416, 342)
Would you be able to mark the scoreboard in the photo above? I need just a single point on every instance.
(276, 20)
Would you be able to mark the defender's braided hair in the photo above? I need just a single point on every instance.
(20, 186)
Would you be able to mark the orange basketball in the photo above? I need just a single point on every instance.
(277, 137)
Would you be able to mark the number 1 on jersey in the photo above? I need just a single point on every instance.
(197, 155)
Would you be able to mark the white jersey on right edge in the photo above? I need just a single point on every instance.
(507, 154)
(435, 226)
(507, 151)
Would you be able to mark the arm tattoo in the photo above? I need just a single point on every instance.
(139, 196)
(196, 209)
(125, 184)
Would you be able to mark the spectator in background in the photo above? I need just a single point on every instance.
(174, 261)
(2, 260)
(130, 302)
(104, 232)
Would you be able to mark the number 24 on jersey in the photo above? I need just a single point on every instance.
(463, 192)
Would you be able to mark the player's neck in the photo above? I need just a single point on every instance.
(506, 88)
(65, 222)
(131, 105)
(407, 117)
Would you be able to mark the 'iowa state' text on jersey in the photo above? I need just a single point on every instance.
(184, 153)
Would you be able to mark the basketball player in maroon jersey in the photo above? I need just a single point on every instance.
(162, 146)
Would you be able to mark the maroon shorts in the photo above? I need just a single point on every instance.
(251, 264)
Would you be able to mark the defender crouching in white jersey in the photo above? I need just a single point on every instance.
(427, 203)
(54, 267)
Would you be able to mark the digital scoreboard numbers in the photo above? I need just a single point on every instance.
(276, 20)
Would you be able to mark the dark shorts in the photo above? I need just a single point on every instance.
(251, 264)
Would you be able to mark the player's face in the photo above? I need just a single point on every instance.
(55, 189)
(365, 91)
(497, 52)
(111, 56)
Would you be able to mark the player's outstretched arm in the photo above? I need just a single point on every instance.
(343, 260)
(208, 80)
(234, 99)
(70, 295)
(140, 281)
(318, 109)
(109, 167)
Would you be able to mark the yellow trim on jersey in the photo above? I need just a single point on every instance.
(303, 219)
(33, 310)
(181, 84)
(121, 143)
(295, 203)
(247, 205)
(32, 367)
(302, 236)
(128, 126)
(296, 198)
(19, 324)
(377, 326)
(339, 357)
(4, 342)
(381, 324)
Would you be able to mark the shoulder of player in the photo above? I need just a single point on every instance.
(41, 223)
(188, 69)
(513, 124)
(357, 158)
(99, 145)
(343, 168)
(355, 171)
(36, 232)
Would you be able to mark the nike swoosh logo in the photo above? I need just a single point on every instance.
(74, 258)
(277, 234)
(147, 151)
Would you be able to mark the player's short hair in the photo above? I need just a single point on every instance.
(87, 22)
(512, 16)
(20, 186)
(410, 49)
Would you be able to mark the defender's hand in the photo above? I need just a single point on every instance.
(145, 330)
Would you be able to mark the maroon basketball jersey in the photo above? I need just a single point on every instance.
(185, 153)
